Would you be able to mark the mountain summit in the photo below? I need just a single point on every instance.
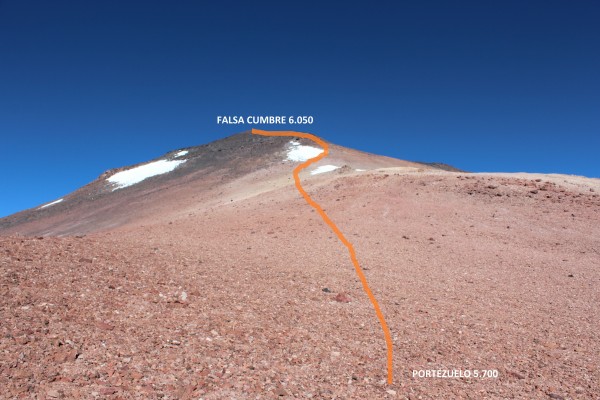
(223, 171)
(205, 274)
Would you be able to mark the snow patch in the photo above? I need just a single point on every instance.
(323, 168)
(135, 175)
(360, 170)
(51, 204)
(181, 153)
(302, 153)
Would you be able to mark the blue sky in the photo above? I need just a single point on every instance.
(482, 85)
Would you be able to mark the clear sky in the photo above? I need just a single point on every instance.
(86, 86)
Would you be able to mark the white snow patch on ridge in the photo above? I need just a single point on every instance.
(302, 153)
(135, 175)
(323, 168)
(181, 153)
(51, 204)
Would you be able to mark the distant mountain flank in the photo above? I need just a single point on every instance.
(180, 177)
(441, 166)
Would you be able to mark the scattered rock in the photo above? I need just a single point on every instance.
(342, 298)
(104, 326)
(550, 345)
(57, 306)
(65, 356)
(135, 375)
(516, 374)
(107, 391)
(22, 340)
(280, 391)
(183, 297)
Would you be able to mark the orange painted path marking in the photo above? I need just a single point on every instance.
(338, 232)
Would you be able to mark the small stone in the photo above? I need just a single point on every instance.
(517, 375)
(342, 298)
(107, 391)
(280, 392)
(326, 290)
(85, 260)
(104, 326)
(65, 356)
(53, 394)
(550, 345)
(391, 392)
(555, 396)
(136, 376)
(22, 340)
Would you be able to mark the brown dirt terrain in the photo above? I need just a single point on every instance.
(220, 282)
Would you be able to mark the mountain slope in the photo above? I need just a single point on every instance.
(218, 281)
(198, 175)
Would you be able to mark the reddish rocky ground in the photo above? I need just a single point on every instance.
(244, 293)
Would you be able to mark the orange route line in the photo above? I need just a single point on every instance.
(338, 232)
